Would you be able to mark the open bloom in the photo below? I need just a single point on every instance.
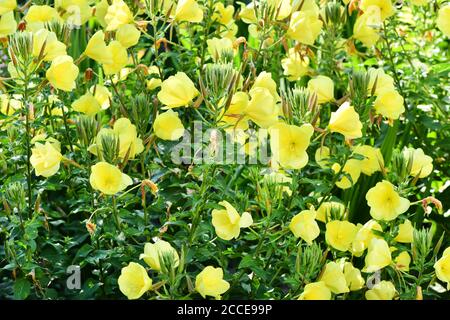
(134, 281)
(373, 159)
(262, 108)
(188, 10)
(8, 24)
(117, 14)
(265, 80)
(384, 290)
(128, 35)
(53, 48)
(160, 251)
(405, 232)
(442, 267)
(334, 278)
(7, 6)
(351, 173)
(353, 277)
(364, 237)
(304, 27)
(87, 104)
(210, 282)
(385, 203)
(422, 165)
(295, 65)
(345, 120)
(378, 256)
(45, 159)
(443, 19)
(177, 91)
(289, 143)
(389, 104)
(304, 226)
(62, 73)
(324, 88)
(168, 126)
(380, 80)
(96, 49)
(228, 223)
(108, 178)
(385, 6)
(316, 291)
(340, 234)
(367, 26)
(119, 58)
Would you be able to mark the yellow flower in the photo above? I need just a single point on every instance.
(383, 290)
(87, 104)
(8, 106)
(279, 179)
(210, 282)
(8, 24)
(37, 15)
(364, 237)
(168, 126)
(247, 13)
(96, 49)
(117, 14)
(154, 82)
(134, 281)
(234, 115)
(322, 156)
(128, 35)
(53, 48)
(373, 159)
(102, 95)
(283, 8)
(389, 104)
(334, 278)
(402, 261)
(295, 65)
(353, 277)
(378, 256)
(108, 178)
(419, 2)
(405, 232)
(288, 144)
(331, 210)
(228, 222)
(159, 251)
(62, 73)
(74, 12)
(101, 8)
(340, 234)
(7, 6)
(422, 165)
(345, 120)
(177, 91)
(315, 291)
(304, 226)
(304, 27)
(367, 25)
(45, 159)
(443, 20)
(323, 87)
(385, 203)
(386, 7)
(442, 267)
(383, 83)
(222, 14)
(217, 47)
(262, 108)
(188, 10)
(351, 168)
(264, 80)
(119, 58)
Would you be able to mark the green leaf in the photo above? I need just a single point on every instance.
(21, 289)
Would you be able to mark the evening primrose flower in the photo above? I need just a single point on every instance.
(330, 210)
(96, 49)
(334, 278)
(53, 48)
(324, 88)
(7, 6)
(154, 252)
(405, 232)
(75, 13)
(62, 73)
(316, 291)
(386, 7)
(101, 8)
(304, 27)
(222, 14)
(217, 47)
(261, 108)
(385, 203)
(155, 81)
(87, 104)
(353, 277)
(210, 282)
(422, 165)
(168, 126)
(38, 15)
(367, 25)
(102, 95)
(108, 178)
(295, 65)
(364, 237)
(8, 24)
(378, 256)
(134, 281)
(382, 81)
(389, 104)
(45, 159)
(228, 223)
(265, 80)
(177, 91)
(8, 106)
(443, 20)
(384, 290)
(373, 159)
(340, 234)
(128, 35)
(288, 144)
(118, 14)
(442, 267)
(322, 156)
(352, 168)
(304, 226)
(345, 120)
(119, 58)
(234, 116)
(188, 10)
(402, 261)
(247, 13)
